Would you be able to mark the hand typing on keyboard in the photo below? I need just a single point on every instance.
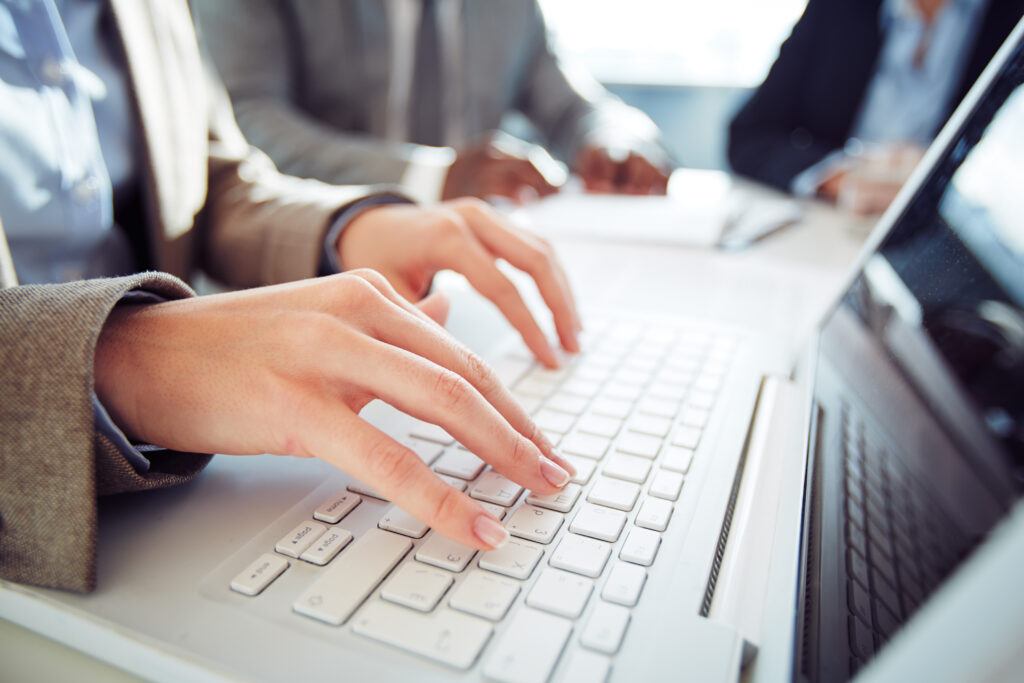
(286, 369)
(409, 244)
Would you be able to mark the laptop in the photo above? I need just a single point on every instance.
(856, 517)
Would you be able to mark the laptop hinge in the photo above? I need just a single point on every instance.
(737, 589)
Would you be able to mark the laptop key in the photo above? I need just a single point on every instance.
(586, 445)
(255, 578)
(654, 514)
(529, 648)
(695, 417)
(666, 485)
(344, 585)
(584, 468)
(553, 421)
(627, 467)
(611, 407)
(335, 509)
(416, 586)
(650, 425)
(659, 407)
(567, 403)
(560, 501)
(426, 451)
(401, 522)
(612, 493)
(496, 510)
(454, 482)
(485, 595)
(441, 551)
(460, 464)
(363, 489)
(605, 628)
(560, 593)
(599, 425)
(534, 524)
(327, 546)
(687, 437)
(586, 667)
(431, 432)
(494, 488)
(536, 387)
(446, 636)
(581, 555)
(677, 459)
(516, 559)
(641, 546)
(298, 539)
(598, 522)
(644, 445)
(624, 584)
(581, 387)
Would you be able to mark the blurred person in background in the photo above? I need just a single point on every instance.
(859, 90)
(411, 91)
(119, 157)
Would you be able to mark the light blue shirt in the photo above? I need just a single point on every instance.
(68, 141)
(906, 102)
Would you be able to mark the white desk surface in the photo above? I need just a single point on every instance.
(780, 285)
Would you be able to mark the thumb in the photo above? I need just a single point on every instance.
(436, 306)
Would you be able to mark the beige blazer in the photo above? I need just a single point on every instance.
(213, 201)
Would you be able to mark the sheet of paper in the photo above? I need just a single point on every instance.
(695, 213)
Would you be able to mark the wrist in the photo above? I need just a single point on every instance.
(114, 369)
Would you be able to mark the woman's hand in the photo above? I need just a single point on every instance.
(410, 244)
(286, 369)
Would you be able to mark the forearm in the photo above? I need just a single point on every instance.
(303, 146)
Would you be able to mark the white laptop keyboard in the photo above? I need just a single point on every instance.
(629, 413)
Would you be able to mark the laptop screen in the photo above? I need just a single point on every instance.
(919, 396)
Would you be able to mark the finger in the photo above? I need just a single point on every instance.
(643, 177)
(353, 445)
(535, 259)
(406, 327)
(564, 279)
(527, 174)
(597, 170)
(436, 306)
(435, 394)
(480, 269)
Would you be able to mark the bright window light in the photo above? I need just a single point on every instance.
(673, 42)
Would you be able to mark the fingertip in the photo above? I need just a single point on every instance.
(490, 532)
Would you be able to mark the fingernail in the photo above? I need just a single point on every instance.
(565, 465)
(490, 531)
(555, 475)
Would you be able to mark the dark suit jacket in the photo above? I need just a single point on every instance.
(807, 105)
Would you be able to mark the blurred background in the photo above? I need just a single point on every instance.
(689, 71)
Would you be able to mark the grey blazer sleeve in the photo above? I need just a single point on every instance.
(255, 49)
(53, 462)
(570, 108)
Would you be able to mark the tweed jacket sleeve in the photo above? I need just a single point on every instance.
(53, 462)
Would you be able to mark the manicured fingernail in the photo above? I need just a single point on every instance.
(553, 473)
(490, 531)
(565, 464)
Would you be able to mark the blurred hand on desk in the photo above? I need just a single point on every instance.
(620, 171)
(286, 370)
(504, 166)
(867, 182)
